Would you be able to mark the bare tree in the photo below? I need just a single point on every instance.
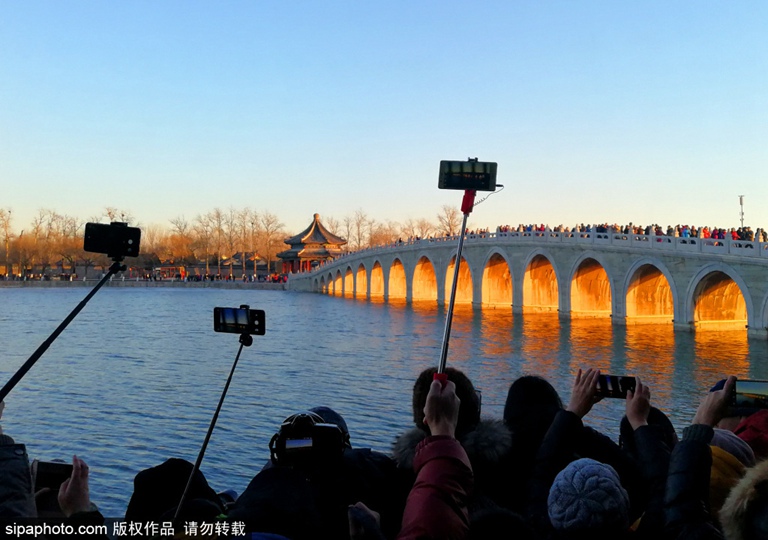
(271, 236)
(449, 219)
(231, 232)
(424, 228)
(5, 225)
(203, 238)
(332, 224)
(116, 214)
(216, 219)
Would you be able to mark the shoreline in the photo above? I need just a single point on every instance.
(258, 286)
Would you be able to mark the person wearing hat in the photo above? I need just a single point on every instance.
(486, 441)
(567, 440)
(687, 509)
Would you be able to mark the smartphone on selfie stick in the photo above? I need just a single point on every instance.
(117, 241)
(471, 176)
(244, 321)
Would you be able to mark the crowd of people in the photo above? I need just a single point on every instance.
(678, 231)
(539, 472)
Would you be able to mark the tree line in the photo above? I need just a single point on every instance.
(55, 241)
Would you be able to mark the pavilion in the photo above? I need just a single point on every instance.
(310, 247)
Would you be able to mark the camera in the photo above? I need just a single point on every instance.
(304, 441)
(240, 320)
(750, 394)
(117, 240)
(472, 175)
(615, 386)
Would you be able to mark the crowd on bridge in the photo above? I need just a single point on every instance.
(539, 472)
(678, 231)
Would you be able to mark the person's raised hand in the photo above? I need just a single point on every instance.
(441, 411)
(638, 404)
(74, 494)
(714, 406)
(584, 393)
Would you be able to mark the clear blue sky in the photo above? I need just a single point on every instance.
(595, 111)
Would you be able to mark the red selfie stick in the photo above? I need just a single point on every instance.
(466, 208)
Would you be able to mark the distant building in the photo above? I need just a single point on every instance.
(310, 247)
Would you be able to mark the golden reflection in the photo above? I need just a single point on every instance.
(650, 352)
(719, 354)
(496, 334)
(540, 343)
(592, 345)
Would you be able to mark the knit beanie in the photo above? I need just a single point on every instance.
(731, 443)
(588, 495)
(754, 431)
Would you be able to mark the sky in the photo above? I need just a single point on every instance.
(595, 111)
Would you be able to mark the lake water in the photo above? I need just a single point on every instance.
(136, 377)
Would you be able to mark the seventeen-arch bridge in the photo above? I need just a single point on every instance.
(693, 283)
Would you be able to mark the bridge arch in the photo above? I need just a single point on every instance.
(540, 283)
(338, 284)
(397, 282)
(464, 283)
(349, 283)
(424, 281)
(320, 284)
(718, 299)
(377, 280)
(650, 293)
(361, 282)
(496, 286)
(590, 287)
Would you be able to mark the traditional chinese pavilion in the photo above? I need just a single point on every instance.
(310, 247)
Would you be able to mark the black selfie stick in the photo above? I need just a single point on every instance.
(114, 269)
(466, 208)
(246, 340)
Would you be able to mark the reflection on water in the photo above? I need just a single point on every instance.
(135, 379)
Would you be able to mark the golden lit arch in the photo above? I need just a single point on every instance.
(649, 297)
(349, 284)
(540, 290)
(497, 282)
(337, 284)
(464, 284)
(377, 281)
(361, 290)
(590, 290)
(397, 287)
(424, 281)
(719, 303)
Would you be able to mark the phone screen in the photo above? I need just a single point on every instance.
(615, 386)
(238, 320)
(51, 474)
(752, 394)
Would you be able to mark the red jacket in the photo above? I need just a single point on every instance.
(437, 504)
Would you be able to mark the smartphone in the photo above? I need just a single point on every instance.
(240, 320)
(750, 394)
(51, 474)
(115, 240)
(615, 386)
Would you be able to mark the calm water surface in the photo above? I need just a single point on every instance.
(136, 377)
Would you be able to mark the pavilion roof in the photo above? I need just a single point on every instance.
(316, 233)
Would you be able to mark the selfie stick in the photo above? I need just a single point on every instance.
(114, 269)
(466, 208)
(246, 340)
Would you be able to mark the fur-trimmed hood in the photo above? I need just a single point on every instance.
(488, 443)
(742, 505)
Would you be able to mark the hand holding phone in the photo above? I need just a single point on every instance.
(749, 394)
(615, 386)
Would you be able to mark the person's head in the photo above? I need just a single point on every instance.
(661, 425)
(330, 416)
(469, 410)
(530, 407)
(587, 496)
(744, 515)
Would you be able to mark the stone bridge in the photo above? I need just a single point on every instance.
(693, 283)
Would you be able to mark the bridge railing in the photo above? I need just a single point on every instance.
(739, 248)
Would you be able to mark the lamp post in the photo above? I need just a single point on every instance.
(19, 248)
(7, 224)
(741, 203)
